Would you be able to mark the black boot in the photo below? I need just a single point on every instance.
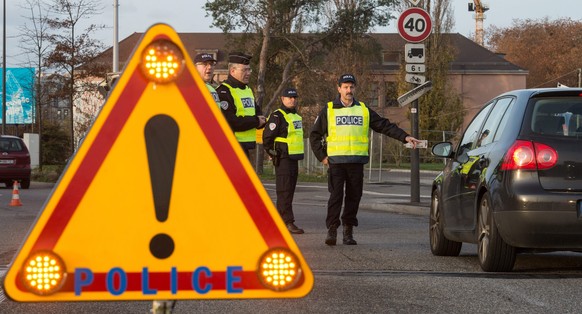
(349, 235)
(294, 229)
(331, 235)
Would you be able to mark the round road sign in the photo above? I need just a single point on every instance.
(414, 25)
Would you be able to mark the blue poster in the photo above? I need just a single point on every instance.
(19, 101)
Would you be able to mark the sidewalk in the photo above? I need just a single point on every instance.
(401, 205)
(392, 194)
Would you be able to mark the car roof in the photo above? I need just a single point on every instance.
(546, 91)
(10, 136)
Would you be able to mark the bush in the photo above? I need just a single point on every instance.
(47, 173)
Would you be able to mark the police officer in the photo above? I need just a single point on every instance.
(339, 139)
(238, 102)
(283, 141)
(205, 64)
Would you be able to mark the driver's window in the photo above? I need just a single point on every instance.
(472, 132)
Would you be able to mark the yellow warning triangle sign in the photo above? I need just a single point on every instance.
(159, 202)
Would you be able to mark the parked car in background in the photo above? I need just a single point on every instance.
(14, 161)
(513, 183)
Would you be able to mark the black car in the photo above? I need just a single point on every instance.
(14, 161)
(513, 183)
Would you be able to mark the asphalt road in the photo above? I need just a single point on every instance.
(391, 270)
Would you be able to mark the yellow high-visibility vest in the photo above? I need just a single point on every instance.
(294, 137)
(214, 94)
(244, 101)
(347, 130)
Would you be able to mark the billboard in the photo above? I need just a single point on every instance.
(19, 100)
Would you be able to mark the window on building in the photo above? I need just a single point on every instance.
(390, 57)
(391, 92)
(374, 92)
(383, 97)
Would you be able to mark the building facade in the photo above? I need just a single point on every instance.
(476, 73)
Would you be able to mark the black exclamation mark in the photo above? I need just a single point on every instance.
(161, 136)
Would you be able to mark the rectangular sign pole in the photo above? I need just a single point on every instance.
(414, 156)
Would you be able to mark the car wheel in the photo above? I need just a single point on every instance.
(494, 254)
(25, 184)
(439, 244)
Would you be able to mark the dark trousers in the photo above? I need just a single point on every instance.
(285, 181)
(352, 177)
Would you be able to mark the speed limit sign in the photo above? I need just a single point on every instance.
(414, 25)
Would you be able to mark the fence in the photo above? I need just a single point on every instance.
(383, 151)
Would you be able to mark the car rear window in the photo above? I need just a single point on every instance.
(10, 145)
(560, 117)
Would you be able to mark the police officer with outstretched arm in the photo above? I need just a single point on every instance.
(238, 102)
(283, 141)
(339, 139)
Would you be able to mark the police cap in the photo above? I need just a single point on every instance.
(289, 92)
(345, 78)
(239, 57)
(203, 57)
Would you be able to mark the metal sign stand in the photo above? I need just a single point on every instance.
(414, 156)
(414, 26)
(163, 307)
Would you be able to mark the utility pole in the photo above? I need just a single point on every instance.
(115, 37)
(4, 71)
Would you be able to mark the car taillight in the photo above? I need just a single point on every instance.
(529, 155)
(546, 156)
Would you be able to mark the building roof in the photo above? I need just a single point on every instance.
(469, 56)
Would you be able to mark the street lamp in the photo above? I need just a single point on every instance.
(4, 70)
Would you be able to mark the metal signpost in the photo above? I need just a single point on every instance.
(414, 25)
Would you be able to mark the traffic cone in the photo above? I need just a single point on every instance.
(15, 195)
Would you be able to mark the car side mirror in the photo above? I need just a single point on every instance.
(443, 149)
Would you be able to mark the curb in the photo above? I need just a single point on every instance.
(409, 209)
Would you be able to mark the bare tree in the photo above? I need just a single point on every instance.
(286, 51)
(35, 44)
(74, 47)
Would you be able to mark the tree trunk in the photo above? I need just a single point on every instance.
(261, 79)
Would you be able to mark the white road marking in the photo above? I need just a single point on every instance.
(3, 270)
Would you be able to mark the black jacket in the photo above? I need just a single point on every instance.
(277, 126)
(377, 123)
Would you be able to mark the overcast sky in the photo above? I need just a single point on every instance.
(188, 16)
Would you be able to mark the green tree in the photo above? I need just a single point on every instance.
(54, 138)
(441, 108)
(549, 50)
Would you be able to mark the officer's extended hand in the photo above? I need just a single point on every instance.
(262, 121)
(413, 141)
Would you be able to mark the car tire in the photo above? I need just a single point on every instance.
(494, 254)
(25, 184)
(439, 244)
